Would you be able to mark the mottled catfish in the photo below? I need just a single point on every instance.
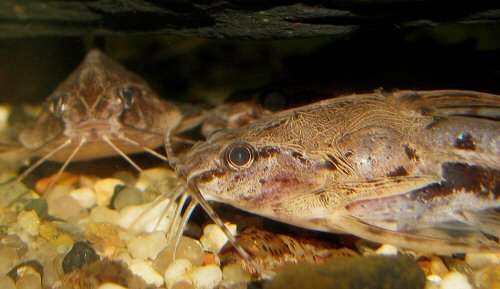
(100, 110)
(420, 170)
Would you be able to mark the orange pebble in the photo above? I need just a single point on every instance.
(64, 179)
(209, 258)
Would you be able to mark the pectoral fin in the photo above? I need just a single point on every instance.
(487, 221)
(434, 240)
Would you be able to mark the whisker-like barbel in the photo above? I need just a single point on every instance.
(65, 164)
(40, 161)
(122, 154)
(145, 148)
(215, 218)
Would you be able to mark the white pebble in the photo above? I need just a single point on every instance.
(191, 249)
(233, 274)
(148, 246)
(213, 238)
(111, 286)
(205, 277)
(176, 272)
(387, 250)
(64, 207)
(146, 272)
(85, 196)
(480, 260)
(455, 280)
(101, 214)
(29, 222)
(147, 222)
(104, 190)
(434, 279)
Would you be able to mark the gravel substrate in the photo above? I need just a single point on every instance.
(89, 232)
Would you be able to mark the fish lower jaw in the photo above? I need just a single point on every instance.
(93, 131)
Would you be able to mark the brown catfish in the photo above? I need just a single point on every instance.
(100, 110)
(420, 170)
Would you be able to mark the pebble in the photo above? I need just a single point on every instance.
(102, 214)
(81, 253)
(154, 177)
(234, 274)
(111, 286)
(146, 271)
(387, 250)
(85, 197)
(14, 241)
(7, 282)
(455, 280)
(177, 271)
(64, 207)
(104, 190)
(183, 284)
(29, 281)
(480, 260)
(47, 230)
(52, 271)
(374, 271)
(190, 249)
(128, 196)
(63, 243)
(213, 238)
(29, 222)
(7, 217)
(205, 277)
(126, 176)
(433, 281)
(147, 246)
(148, 222)
(8, 258)
(65, 181)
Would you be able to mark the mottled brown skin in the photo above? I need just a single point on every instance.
(90, 104)
(336, 164)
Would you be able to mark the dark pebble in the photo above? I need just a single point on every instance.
(81, 253)
(371, 272)
(34, 264)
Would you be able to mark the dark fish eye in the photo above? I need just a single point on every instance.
(239, 156)
(127, 95)
(56, 104)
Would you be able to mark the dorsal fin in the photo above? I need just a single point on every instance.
(452, 103)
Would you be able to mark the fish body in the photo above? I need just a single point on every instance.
(99, 99)
(416, 169)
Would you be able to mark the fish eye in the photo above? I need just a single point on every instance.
(239, 156)
(56, 104)
(127, 95)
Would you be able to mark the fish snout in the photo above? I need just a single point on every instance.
(192, 163)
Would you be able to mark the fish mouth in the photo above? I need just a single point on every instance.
(93, 129)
